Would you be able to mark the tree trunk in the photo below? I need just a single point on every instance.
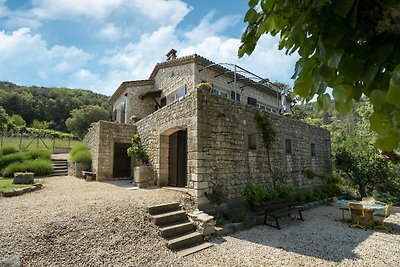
(362, 189)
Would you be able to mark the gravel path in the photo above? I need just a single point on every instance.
(71, 222)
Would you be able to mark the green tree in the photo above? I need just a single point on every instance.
(41, 124)
(17, 120)
(3, 118)
(350, 46)
(81, 118)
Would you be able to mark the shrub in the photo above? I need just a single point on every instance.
(241, 215)
(254, 194)
(78, 147)
(10, 158)
(82, 156)
(271, 194)
(284, 191)
(5, 150)
(38, 167)
(300, 197)
(36, 154)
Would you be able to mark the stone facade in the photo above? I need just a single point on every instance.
(222, 139)
(100, 141)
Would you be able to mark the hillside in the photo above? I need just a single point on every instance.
(47, 104)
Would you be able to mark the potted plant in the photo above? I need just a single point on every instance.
(81, 158)
(143, 174)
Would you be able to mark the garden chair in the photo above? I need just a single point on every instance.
(336, 205)
(368, 199)
(357, 210)
(386, 213)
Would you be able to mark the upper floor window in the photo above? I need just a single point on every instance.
(288, 146)
(313, 152)
(114, 115)
(252, 101)
(123, 111)
(252, 141)
(235, 96)
(218, 92)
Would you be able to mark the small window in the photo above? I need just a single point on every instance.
(123, 110)
(252, 141)
(181, 91)
(114, 115)
(288, 146)
(252, 101)
(237, 98)
(313, 150)
(163, 102)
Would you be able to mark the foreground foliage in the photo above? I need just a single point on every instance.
(349, 45)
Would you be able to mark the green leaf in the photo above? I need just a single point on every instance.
(302, 87)
(342, 7)
(251, 16)
(343, 107)
(380, 122)
(335, 58)
(393, 94)
(343, 92)
(324, 102)
(396, 117)
(267, 5)
(377, 98)
(388, 141)
(253, 3)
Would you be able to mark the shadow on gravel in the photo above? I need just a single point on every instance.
(319, 236)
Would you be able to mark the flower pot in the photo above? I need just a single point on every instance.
(79, 167)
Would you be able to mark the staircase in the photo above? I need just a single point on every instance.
(60, 167)
(175, 227)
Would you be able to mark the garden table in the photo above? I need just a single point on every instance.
(369, 208)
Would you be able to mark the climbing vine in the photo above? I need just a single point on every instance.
(268, 133)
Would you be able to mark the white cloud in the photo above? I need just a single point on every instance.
(50, 9)
(111, 32)
(23, 54)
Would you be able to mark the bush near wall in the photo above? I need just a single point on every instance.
(5, 150)
(80, 154)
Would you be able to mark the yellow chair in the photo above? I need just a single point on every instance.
(336, 205)
(357, 210)
(368, 199)
(387, 211)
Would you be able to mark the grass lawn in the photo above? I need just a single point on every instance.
(7, 185)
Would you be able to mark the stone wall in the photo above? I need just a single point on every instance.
(171, 78)
(155, 129)
(224, 158)
(100, 140)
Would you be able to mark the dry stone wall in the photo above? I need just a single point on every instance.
(171, 78)
(223, 157)
(101, 139)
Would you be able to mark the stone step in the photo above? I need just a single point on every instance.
(185, 241)
(177, 229)
(59, 167)
(164, 208)
(187, 251)
(169, 217)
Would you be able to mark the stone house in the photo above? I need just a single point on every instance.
(197, 137)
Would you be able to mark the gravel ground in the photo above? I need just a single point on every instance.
(71, 222)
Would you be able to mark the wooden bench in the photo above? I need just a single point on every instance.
(88, 176)
(280, 208)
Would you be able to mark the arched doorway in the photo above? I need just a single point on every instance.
(177, 159)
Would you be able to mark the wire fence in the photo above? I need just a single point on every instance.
(26, 142)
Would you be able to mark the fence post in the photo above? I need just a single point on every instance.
(20, 142)
(54, 140)
(37, 143)
(69, 142)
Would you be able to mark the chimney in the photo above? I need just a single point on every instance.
(171, 54)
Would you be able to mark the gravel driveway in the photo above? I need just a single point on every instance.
(71, 222)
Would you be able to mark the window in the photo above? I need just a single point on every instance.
(163, 102)
(252, 101)
(313, 153)
(220, 93)
(114, 115)
(252, 141)
(181, 91)
(237, 98)
(288, 146)
(123, 109)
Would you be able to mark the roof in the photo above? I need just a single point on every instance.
(127, 84)
(199, 60)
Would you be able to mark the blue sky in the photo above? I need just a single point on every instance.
(98, 44)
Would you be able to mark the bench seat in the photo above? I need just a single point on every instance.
(277, 209)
